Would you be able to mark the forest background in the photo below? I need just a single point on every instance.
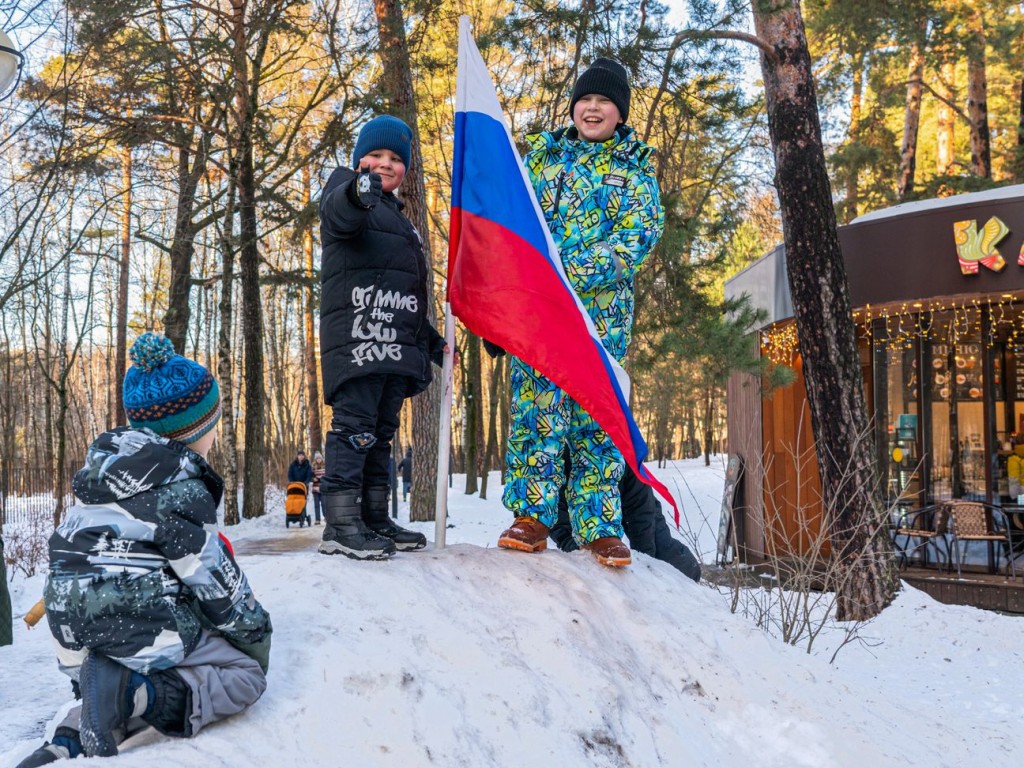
(161, 164)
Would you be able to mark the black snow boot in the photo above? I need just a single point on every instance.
(346, 534)
(107, 700)
(377, 519)
(65, 745)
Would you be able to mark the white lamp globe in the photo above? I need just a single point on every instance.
(10, 61)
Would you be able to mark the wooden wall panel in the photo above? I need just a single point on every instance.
(743, 395)
(792, 490)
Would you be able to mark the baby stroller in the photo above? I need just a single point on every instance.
(295, 505)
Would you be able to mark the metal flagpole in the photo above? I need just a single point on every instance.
(444, 431)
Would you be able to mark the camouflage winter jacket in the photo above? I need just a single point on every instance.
(137, 568)
(603, 207)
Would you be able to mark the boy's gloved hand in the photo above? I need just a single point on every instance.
(493, 349)
(365, 190)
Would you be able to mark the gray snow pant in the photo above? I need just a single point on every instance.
(222, 681)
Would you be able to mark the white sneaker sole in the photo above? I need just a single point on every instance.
(410, 547)
(334, 548)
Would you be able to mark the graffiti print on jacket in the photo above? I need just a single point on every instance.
(373, 325)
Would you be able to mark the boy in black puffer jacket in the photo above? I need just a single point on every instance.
(376, 343)
(152, 615)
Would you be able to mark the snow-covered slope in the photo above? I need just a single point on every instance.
(475, 656)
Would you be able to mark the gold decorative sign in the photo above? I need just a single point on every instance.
(974, 247)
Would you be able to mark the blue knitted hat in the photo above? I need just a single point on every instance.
(170, 394)
(384, 132)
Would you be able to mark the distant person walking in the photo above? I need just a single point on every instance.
(405, 467)
(300, 470)
(318, 472)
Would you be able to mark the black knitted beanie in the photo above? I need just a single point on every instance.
(607, 78)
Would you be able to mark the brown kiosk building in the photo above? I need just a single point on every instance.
(937, 289)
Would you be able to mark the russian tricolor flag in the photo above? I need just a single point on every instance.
(506, 282)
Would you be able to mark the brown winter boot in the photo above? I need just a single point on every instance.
(610, 551)
(527, 534)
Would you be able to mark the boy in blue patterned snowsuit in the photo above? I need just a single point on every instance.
(597, 189)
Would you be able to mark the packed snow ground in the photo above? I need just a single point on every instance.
(474, 656)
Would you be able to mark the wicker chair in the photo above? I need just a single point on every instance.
(976, 521)
(929, 525)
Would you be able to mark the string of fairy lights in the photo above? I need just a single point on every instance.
(949, 320)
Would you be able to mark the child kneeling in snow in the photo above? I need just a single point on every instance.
(152, 615)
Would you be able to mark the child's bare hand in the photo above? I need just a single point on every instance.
(448, 349)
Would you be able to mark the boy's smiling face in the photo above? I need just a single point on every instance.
(596, 117)
(385, 164)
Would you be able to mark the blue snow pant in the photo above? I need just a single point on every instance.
(544, 420)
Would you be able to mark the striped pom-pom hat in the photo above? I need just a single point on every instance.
(167, 393)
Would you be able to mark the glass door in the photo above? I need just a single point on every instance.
(957, 441)
(896, 387)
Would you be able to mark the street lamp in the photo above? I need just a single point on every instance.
(11, 60)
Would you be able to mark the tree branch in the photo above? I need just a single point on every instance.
(725, 34)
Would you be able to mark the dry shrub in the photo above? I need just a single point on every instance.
(792, 595)
(26, 544)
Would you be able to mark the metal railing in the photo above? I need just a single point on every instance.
(29, 492)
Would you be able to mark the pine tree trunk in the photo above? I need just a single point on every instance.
(497, 381)
(316, 435)
(249, 263)
(396, 86)
(1018, 159)
(121, 338)
(853, 167)
(946, 120)
(279, 426)
(472, 393)
(911, 118)
(228, 469)
(977, 98)
(178, 316)
(824, 318)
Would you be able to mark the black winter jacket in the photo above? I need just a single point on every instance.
(300, 472)
(373, 305)
(137, 568)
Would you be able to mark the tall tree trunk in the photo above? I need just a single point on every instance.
(121, 339)
(977, 98)
(178, 315)
(396, 85)
(473, 398)
(709, 429)
(229, 467)
(911, 116)
(824, 318)
(853, 166)
(316, 435)
(290, 435)
(1018, 158)
(245, 101)
(689, 430)
(61, 388)
(497, 382)
(946, 120)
